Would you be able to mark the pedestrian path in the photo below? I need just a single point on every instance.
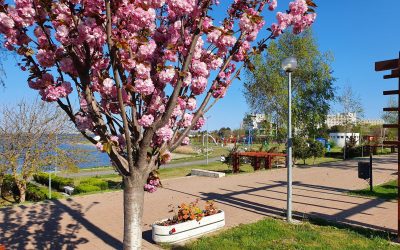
(95, 221)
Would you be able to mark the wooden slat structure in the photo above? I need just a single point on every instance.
(257, 158)
(394, 66)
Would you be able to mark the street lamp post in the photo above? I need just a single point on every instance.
(289, 65)
(208, 117)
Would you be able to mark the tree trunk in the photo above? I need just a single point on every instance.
(1, 184)
(21, 185)
(133, 212)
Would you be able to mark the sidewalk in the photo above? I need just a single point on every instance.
(95, 221)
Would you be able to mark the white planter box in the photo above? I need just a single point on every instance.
(188, 230)
(207, 173)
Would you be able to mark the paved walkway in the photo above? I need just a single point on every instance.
(95, 221)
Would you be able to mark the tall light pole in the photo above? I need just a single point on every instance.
(208, 117)
(289, 65)
(55, 168)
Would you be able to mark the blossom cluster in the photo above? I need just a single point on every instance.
(153, 182)
(296, 17)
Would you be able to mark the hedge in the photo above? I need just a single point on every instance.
(103, 185)
(36, 193)
(86, 188)
(57, 182)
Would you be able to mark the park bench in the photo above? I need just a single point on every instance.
(257, 159)
(68, 190)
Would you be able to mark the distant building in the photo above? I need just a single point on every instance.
(340, 138)
(372, 122)
(254, 121)
(341, 119)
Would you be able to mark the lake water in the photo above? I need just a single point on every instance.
(93, 157)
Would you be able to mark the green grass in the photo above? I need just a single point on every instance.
(168, 173)
(319, 160)
(277, 234)
(387, 190)
(216, 152)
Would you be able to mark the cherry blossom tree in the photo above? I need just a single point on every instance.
(140, 70)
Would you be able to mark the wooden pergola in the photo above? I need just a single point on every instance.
(257, 159)
(394, 66)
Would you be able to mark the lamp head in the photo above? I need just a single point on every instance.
(289, 64)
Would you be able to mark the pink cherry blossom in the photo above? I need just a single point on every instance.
(191, 104)
(100, 147)
(272, 5)
(187, 120)
(164, 133)
(185, 141)
(199, 84)
(83, 122)
(147, 50)
(146, 120)
(199, 124)
(200, 68)
(46, 58)
(166, 75)
(6, 23)
(144, 87)
(142, 71)
(108, 85)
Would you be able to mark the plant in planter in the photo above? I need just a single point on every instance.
(188, 222)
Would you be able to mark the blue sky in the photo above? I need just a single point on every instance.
(357, 32)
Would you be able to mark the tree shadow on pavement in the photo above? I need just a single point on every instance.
(39, 226)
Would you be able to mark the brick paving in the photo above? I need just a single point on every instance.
(95, 221)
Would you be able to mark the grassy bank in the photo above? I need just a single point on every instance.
(277, 234)
(387, 190)
(168, 173)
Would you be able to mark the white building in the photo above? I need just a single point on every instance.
(341, 119)
(372, 122)
(340, 138)
(254, 121)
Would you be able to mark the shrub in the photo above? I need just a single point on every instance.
(42, 178)
(57, 182)
(9, 187)
(317, 149)
(103, 185)
(35, 193)
(60, 182)
(353, 152)
(301, 149)
(86, 188)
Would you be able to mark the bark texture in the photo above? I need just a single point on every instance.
(133, 211)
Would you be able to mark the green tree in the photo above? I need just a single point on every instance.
(317, 149)
(350, 102)
(31, 142)
(301, 149)
(391, 117)
(224, 132)
(266, 85)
